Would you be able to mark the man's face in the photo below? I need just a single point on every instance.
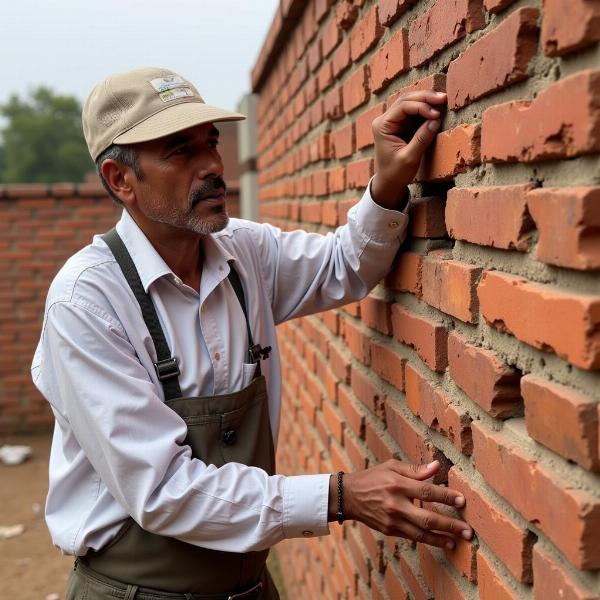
(181, 182)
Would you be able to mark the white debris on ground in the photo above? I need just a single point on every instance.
(52, 597)
(14, 455)
(10, 531)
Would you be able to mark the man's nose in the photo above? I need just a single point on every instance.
(211, 165)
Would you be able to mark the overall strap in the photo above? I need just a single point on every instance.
(255, 351)
(167, 368)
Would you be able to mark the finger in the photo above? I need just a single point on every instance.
(398, 112)
(418, 472)
(422, 95)
(428, 520)
(428, 492)
(421, 140)
(412, 532)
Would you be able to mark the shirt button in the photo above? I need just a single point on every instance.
(217, 356)
(230, 437)
(393, 224)
(307, 533)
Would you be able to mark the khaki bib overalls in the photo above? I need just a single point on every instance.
(233, 427)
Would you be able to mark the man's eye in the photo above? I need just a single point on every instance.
(182, 150)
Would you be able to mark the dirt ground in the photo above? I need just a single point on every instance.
(30, 567)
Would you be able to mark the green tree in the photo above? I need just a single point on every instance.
(42, 141)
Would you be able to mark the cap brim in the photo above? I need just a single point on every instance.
(175, 118)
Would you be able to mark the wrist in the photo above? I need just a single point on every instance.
(388, 195)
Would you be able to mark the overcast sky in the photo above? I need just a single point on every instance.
(70, 45)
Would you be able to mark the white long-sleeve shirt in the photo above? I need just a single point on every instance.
(117, 447)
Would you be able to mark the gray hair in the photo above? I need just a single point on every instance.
(124, 153)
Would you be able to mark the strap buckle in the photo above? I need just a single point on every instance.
(253, 592)
(257, 352)
(167, 369)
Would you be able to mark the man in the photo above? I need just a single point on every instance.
(159, 357)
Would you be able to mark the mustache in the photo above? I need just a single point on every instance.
(207, 190)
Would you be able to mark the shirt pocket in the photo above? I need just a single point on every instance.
(249, 369)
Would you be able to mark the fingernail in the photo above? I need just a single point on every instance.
(433, 125)
(440, 93)
(459, 501)
(434, 112)
(466, 534)
(432, 464)
(450, 545)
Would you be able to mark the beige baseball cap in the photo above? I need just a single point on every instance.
(142, 105)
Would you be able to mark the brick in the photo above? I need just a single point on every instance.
(314, 56)
(356, 89)
(427, 217)
(359, 172)
(353, 415)
(406, 275)
(511, 543)
(358, 342)
(378, 442)
(368, 391)
(390, 10)
(437, 577)
(346, 13)
(487, 380)
(364, 125)
(341, 58)
(342, 140)
(389, 61)
(452, 152)
(325, 78)
(333, 104)
(435, 82)
(320, 188)
(321, 9)
(490, 583)
(569, 25)
(446, 22)
(332, 36)
(495, 61)
(365, 34)
(417, 448)
(428, 337)
(562, 122)
(450, 286)
(551, 580)
(495, 6)
(388, 364)
(437, 411)
(375, 313)
(472, 215)
(394, 586)
(464, 558)
(548, 318)
(568, 221)
(562, 419)
(569, 517)
(337, 183)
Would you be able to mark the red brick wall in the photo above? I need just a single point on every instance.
(482, 346)
(40, 227)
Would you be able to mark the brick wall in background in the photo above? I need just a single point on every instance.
(40, 227)
(482, 346)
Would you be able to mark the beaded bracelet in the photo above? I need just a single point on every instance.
(340, 497)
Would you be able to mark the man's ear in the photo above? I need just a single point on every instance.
(118, 177)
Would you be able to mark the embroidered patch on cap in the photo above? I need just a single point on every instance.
(160, 84)
(175, 93)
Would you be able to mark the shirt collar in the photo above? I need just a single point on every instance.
(150, 264)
